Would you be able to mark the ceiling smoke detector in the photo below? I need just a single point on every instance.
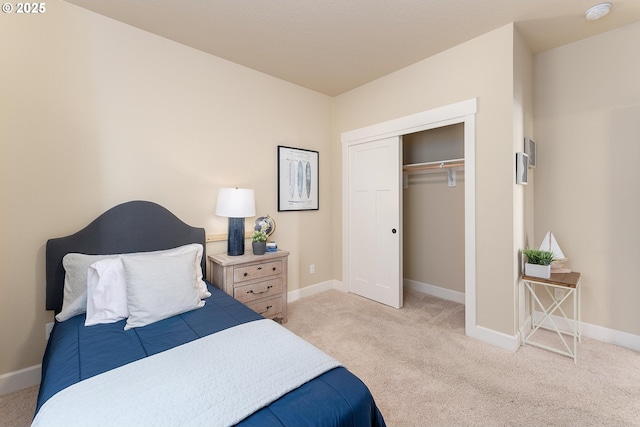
(598, 11)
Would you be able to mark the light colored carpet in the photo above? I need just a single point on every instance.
(16, 409)
(423, 370)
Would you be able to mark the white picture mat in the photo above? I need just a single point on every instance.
(297, 179)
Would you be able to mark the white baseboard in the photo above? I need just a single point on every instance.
(596, 332)
(495, 338)
(435, 291)
(17, 380)
(512, 343)
(315, 289)
(611, 336)
(489, 336)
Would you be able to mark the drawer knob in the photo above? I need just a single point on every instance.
(274, 269)
(246, 274)
(259, 268)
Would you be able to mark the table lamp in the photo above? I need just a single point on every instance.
(236, 204)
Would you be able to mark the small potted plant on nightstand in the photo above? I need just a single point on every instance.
(538, 263)
(259, 242)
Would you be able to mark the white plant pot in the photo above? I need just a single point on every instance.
(535, 270)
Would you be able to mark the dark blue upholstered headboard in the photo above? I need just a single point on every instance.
(136, 226)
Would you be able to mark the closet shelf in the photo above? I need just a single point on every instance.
(444, 164)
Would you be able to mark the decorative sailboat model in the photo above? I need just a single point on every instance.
(550, 244)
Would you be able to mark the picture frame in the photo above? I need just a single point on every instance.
(522, 168)
(298, 179)
(530, 150)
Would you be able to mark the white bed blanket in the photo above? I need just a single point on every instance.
(217, 380)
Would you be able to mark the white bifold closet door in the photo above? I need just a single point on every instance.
(375, 215)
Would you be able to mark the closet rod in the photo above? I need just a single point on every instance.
(434, 165)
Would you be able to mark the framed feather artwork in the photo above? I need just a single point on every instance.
(297, 179)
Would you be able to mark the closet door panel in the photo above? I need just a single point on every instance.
(374, 221)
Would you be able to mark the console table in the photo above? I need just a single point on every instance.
(557, 289)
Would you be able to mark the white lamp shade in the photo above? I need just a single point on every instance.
(236, 203)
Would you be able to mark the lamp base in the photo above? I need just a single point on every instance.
(235, 241)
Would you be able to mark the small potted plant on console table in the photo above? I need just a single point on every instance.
(538, 263)
(259, 242)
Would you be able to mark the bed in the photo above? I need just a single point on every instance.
(183, 352)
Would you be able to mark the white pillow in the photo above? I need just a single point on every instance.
(202, 286)
(76, 268)
(106, 292)
(159, 287)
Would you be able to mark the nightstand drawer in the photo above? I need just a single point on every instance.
(257, 271)
(267, 308)
(258, 290)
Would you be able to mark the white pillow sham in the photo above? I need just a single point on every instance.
(202, 286)
(76, 268)
(106, 292)
(145, 275)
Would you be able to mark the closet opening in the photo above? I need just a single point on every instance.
(359, 148)
(433, 212)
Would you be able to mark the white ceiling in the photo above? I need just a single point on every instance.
(332, 46)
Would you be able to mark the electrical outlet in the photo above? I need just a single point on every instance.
(47, 330)
(312, 269)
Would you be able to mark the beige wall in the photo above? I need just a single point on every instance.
(94, 113)
(587, 190)
(482, 68)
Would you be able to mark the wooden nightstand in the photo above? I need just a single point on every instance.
(258, 281)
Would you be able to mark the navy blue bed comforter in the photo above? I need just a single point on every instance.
(75, 352)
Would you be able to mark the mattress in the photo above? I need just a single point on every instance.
(75, 352)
